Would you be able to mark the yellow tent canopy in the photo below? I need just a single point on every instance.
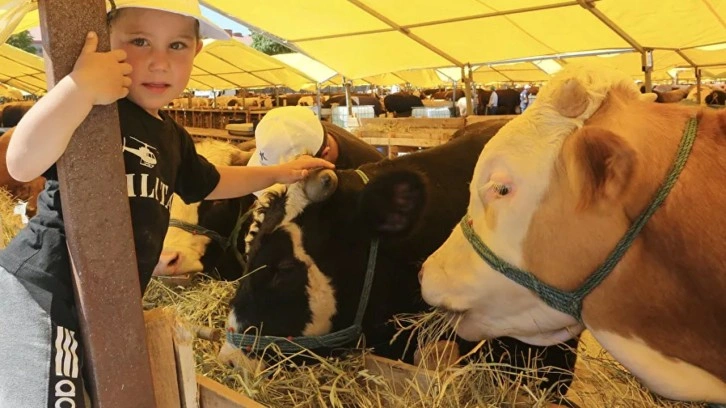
(226, 64)
(360, 38)
(310, 67)
(326, 76)
(377, 41)
(21, 69)
(630, 62)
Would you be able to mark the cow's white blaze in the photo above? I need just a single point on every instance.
(521, 155)
(321, 295)
(187, 247)
(669, 377)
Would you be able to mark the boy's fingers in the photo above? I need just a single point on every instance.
(91, 43)
(315, 162)
(126, 82)
(126, 69)
(124, 92)
(120, 55)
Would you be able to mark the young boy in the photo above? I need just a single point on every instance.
(154, 43)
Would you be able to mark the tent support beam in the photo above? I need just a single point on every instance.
(243, 71)
(701, 66)
(97, 221)
(406, 32)
(502, 74)
(438, 22)
(590, 6)
(685, 57)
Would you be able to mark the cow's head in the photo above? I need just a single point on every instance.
(189, 251)
(308, 248)
(548, 195)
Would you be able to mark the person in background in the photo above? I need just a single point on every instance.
(524, 98)
(493, 102)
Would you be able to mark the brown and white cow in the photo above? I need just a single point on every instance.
(26, 191)
(552, 194)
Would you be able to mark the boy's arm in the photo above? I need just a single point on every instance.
(43, 133)
(237, 181)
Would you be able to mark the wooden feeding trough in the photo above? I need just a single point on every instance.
(176, 383)
(409, 134)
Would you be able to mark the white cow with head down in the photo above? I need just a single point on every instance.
(552, 194)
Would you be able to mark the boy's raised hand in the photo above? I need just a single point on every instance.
(297, 169)
(102, 76)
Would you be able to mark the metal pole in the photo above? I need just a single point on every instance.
(348, 101)
(453, 98)
(698, 84)
(467, 90)
(319, 100)
(646, 59)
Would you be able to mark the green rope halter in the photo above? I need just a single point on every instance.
(226, 243)
(252, 342)
(571, 302)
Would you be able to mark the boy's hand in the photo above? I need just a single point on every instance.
(102, 76)
(297, 169)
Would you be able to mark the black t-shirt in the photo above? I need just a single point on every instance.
(160, 160)
(352, 151)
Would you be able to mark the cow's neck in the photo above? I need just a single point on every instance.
(669, 297)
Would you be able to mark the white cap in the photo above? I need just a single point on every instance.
(285, 133)
(189, 8)
(527, 86)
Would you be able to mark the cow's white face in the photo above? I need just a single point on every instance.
(182, 252)
(511, 179)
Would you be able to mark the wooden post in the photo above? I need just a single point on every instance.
(97, 223)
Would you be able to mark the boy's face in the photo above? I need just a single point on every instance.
(161, 47)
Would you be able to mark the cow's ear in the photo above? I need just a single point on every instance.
(570, 99)
(392, 202)
(602, 165)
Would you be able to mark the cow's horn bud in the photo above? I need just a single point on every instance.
(320, 184)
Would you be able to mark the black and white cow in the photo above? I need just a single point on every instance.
(198, 238)
(308, 249)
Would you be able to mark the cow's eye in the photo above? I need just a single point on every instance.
(500, 188)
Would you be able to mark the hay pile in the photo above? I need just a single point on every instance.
(349, 382)
(10, 223)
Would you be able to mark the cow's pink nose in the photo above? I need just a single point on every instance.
(168, 263)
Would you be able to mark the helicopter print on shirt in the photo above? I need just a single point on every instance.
(148, 158)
